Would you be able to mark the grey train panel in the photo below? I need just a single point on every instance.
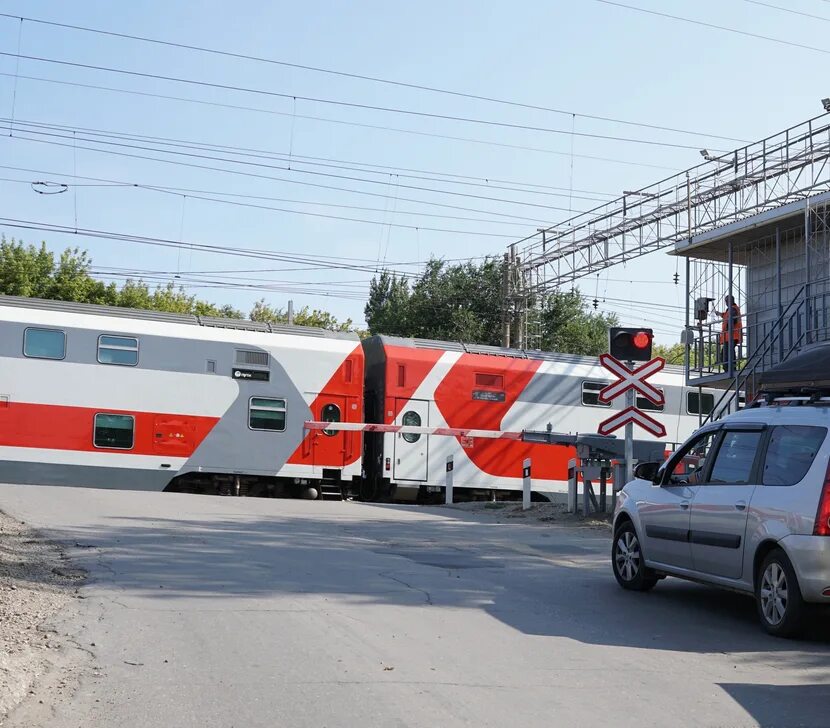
(32, 473)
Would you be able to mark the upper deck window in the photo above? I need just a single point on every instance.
(118, 350)
(44, 343)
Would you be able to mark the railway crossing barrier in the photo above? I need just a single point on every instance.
(595, 460)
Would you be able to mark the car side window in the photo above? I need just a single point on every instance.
(688, 464)
(735, 458)
(790, 453)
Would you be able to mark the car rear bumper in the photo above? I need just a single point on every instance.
(810, 557)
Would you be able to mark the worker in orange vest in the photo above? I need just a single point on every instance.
(727, 345)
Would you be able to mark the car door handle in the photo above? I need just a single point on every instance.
(684, 505)
(741, 505)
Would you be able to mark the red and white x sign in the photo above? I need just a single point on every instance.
(632, 414)
(631, 379)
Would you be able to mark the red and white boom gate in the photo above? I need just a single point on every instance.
(589, 447)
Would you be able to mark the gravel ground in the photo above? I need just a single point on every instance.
(537, 514)
(38, 589)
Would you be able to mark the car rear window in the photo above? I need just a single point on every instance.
(790, 453)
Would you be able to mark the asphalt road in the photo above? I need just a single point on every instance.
(206, 611)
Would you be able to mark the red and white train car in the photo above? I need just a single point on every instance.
(440, 384)
(117, 398)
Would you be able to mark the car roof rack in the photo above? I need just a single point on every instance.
(794, 397)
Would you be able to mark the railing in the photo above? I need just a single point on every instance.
(706, 350)
(791, 165)
(786, 336)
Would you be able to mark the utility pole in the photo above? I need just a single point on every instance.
(505, 301)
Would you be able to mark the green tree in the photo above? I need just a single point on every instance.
(387, 310)
(32, 271)
(459, 302)
(305, 316)
(569, 326)
(674, 354)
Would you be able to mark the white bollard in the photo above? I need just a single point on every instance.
(526, 484)
(448, 488)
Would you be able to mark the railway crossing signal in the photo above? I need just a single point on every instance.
(630, 344)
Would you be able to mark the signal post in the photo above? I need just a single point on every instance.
(627, 346)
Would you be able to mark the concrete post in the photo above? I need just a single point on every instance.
(526, 484)
(448, 487)
(572, 484)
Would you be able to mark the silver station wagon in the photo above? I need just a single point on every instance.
(743, 504)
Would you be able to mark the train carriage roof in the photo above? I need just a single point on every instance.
(92, 309)
(493, 350)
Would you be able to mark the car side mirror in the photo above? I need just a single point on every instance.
(646, 471)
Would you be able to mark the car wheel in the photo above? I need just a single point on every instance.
(781, 607)
(627, 560)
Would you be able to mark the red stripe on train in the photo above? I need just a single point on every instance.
(58, 427)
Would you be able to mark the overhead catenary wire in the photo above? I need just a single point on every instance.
(151, 187)
(254, 175)
(715, 26)
(378, 127)
(349, 104)
(293, 159)
(363, 77)
(789, 10)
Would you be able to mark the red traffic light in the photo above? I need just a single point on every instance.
(630, 344)
(641, 340)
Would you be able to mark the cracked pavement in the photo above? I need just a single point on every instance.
(206, 611)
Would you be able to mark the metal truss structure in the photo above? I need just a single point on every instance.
(788, 166)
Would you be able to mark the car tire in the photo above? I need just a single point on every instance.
(627, 560)
(781, 608)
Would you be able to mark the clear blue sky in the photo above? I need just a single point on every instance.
(582, 55)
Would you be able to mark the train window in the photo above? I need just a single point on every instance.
(590, 394)
(44, 343)
(646, 404)
(330, 413)
(114, 431)
(210, 366)
(699, 404)
(118, 350)
(401, 375)
(265, 413)
(414, 419)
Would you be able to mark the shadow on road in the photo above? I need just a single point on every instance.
(783, 706)
(539, 581)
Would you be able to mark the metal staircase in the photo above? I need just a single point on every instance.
(800, 324)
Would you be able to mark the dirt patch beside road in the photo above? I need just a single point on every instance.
(37, 587)
(538, 514)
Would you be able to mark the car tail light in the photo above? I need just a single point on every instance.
(822, 524)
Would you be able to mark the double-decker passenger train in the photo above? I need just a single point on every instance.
(118, 398)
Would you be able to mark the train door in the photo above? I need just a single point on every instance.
(333, 445)
(411, 449)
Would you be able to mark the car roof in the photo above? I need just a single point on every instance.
(786, 413)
